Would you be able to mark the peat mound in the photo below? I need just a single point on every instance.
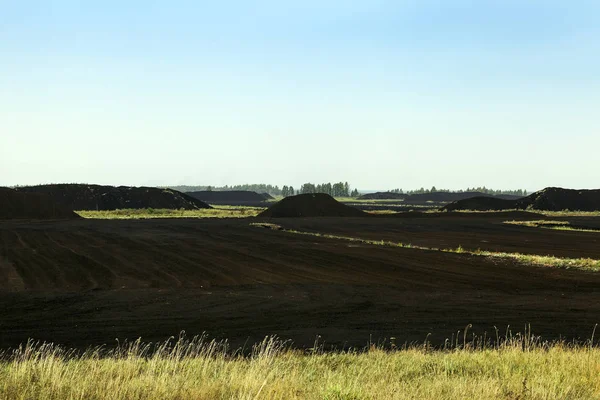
(97, 197)
(19, 205)
(559, 199)
(267, 196)
(549, 199)
(228, 196)
(383, 196)
(311, 205)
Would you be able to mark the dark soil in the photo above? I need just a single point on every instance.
(549, 199)
(311, 205)
(17, 205)
(481, 204)
(228, 197)
(96, 197)
(88, 282)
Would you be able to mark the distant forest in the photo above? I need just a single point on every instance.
(339, 189)
(517, 192)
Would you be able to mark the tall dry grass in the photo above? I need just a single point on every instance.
(521, 367)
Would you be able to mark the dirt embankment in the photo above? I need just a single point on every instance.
(549, 199)
(17, 205)
(311, 205)
(97, 197)
(229, 197)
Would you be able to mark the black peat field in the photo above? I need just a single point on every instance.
(305, 297)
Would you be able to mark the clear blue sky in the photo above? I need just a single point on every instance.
(382, 94)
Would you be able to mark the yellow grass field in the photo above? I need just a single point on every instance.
(518, 369)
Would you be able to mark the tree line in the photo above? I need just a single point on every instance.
(273, 190)
(339, 189)
(481, 189)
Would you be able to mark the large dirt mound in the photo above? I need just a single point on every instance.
(18, 205)
(549, 199)
(96, 197)
(311, 205)
(481, 203)
(558, 199)
(229, 196)
(383, 196)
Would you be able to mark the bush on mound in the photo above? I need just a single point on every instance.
(19, 205)
(311, 205)
(97, 197)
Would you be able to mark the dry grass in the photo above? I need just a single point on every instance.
(521, 367)
(215, 212)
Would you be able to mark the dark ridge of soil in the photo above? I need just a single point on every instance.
(502, 214)
(228, 196)
(97, 197)
(549, 199)
(311, 205)
(267, 196)
(481, 204)
(440, 197)
(383, 196)
(559, 199)
(17, 205)
(449, 197)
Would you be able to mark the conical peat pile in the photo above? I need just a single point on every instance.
(310, 205)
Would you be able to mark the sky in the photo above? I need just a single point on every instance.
(382, 94)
